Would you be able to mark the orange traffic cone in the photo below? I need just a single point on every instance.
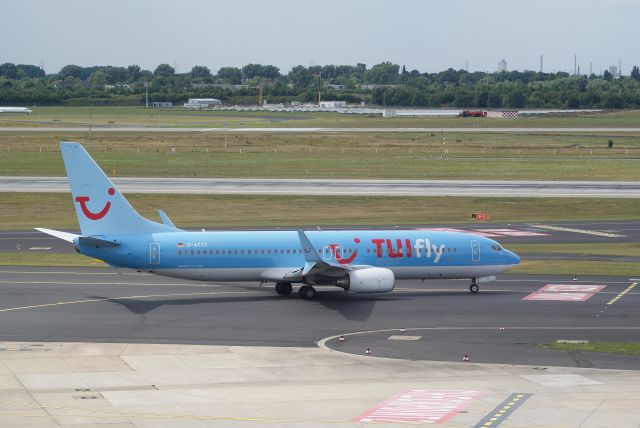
(341, 339)
(465, 358)
(368, 351)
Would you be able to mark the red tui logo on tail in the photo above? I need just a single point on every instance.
(82, 200)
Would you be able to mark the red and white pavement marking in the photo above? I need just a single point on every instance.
(489, 233)
(511, 232)
(421, 406)
(565, 292)
(563, 288)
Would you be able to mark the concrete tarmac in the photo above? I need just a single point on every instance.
(584, 189)
(71, 384)
(86, 347)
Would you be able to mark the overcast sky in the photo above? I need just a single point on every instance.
(422, 34)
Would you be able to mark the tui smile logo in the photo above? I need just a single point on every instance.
(335, 249)
(82, 200)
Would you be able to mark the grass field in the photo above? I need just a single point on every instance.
(367, 155)
(100, 116)
(626, 348)
(24, 258)
(623, 249)
(19, 211)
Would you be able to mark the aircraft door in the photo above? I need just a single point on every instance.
(327, 254)
(475, 251)
(154, 253)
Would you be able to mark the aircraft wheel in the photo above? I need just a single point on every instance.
(474, 288)
(307, 292)
(283, 288)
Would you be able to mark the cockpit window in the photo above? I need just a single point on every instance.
(496, 247)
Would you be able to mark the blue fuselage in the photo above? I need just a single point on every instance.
(268, 255)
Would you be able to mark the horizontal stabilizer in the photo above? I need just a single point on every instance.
(96, 242)
(66, 236)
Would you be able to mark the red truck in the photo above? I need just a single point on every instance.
(473, 113)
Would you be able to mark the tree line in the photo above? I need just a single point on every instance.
(383, 84)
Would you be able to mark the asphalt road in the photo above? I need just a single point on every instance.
(588, 189)
(497, 325)
(313, 130)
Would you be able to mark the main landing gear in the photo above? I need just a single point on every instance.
(474, 286)
(307, 292)
(283, 288)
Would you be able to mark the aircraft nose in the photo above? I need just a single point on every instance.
(512, 258)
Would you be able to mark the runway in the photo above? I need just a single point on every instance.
(105, 305)
(527, 130)
(530, 189)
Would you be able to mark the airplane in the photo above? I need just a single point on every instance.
(15, 110)
(358, 261)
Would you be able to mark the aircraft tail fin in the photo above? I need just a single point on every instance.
(101, 209)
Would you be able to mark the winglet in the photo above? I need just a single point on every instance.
(310, 254)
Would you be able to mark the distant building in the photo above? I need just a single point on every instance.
(333, 104)
(368, 86)
(613, 70)
(162, 104)
(502, 65)
(202, 102)
(336, 87)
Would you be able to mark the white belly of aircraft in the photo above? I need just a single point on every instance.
(261, 274)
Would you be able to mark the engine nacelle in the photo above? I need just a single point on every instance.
(369, 280)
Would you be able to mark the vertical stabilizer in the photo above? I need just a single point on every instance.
(100, 207)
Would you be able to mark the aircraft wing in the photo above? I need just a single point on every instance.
(313, 265)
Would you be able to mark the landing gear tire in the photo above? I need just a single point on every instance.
(474, 287)
(307, 292)
(283, 288)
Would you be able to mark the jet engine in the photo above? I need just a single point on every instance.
(369, 280)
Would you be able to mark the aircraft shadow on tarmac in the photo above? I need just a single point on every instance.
(349, 306)
(142, 307)
(358, 309)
